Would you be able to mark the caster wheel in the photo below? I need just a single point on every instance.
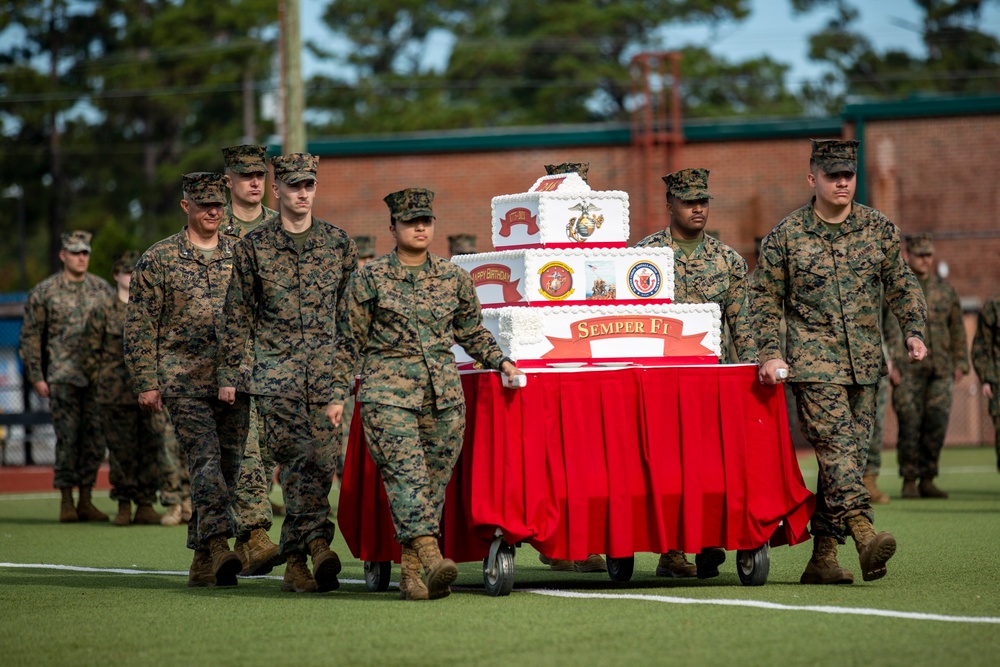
(753, 565)
(499, 579)
(620, 569)
(377, 575)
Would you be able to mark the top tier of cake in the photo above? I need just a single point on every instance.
(561, 211)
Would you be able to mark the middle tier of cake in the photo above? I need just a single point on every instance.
(571, 275)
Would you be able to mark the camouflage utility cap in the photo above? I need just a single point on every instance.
(205, 187)
(125, 262)
(688, 184)
(920, 244)
(245, 159)
(366, 246)
(295, 167)
(77, 241)
(569, 168)
(835, 155)
(410, 203)
(462, 244)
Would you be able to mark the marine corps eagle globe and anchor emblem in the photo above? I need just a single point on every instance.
(581, 227)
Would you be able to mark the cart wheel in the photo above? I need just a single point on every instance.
(377, 575)
(753, 565)
(620, 569)
(499, 579)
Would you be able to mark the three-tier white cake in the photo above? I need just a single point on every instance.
(563, 289)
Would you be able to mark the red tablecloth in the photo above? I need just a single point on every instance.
(613, 462)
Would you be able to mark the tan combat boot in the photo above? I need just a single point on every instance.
(928, 490)
(411, 586)
(145, 515)
(878, 497)
(85, 509)
(556, 564)
(441, 572)
(172, 517)
(298, 579)
(326, 565)
(675, 564)
(593, 563)
(874, 549)
(823, 567)
(225, 564)
(257, 553)
(910, 489)
(67, 510)
(124, 516)
(186, 510)
(200, 575)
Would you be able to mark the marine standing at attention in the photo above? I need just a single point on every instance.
(404, 312)
(705, 271)
(823, 267)
(54, 320)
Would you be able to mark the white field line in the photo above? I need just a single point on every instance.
(855, 611)
(665, 599)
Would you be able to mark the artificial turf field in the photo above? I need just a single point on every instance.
(85, 594)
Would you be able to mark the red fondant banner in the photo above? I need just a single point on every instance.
(518, 216)
(670, 330)
(550, 184)
(497, 274)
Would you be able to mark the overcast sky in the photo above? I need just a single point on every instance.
(772, 29)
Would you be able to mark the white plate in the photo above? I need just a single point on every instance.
(567, 364)
(613, 363)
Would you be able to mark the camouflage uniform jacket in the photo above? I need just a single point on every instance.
(947, 344)
(288, 301)
(714, 273)
(828, 287)
(174, 317)
(402, 329)
(56, 315)
(103, 348)
(986, 344)
(229, 225)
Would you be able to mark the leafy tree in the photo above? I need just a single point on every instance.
(960, 58)
(521, 62)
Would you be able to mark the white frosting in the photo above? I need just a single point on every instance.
(553, 213)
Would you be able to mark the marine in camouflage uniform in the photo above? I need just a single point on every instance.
(54, 321)
(923, 392)
(246, 172)
(705, 271)
(986, 361)
(825, 275)
(289, 277)
(172, 330)
(134, 438)
(404, 312)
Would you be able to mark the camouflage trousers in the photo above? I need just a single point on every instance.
(175, 483)
(837, 421)
(874, 464)
(923, 404)
(211, 434)
(306, 447)
(79, 446)
(135, 443)
(995, 413)
(252, 507)
(415, 451)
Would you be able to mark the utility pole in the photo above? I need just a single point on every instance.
(293, 136)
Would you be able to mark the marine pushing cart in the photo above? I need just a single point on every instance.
(615, 461)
